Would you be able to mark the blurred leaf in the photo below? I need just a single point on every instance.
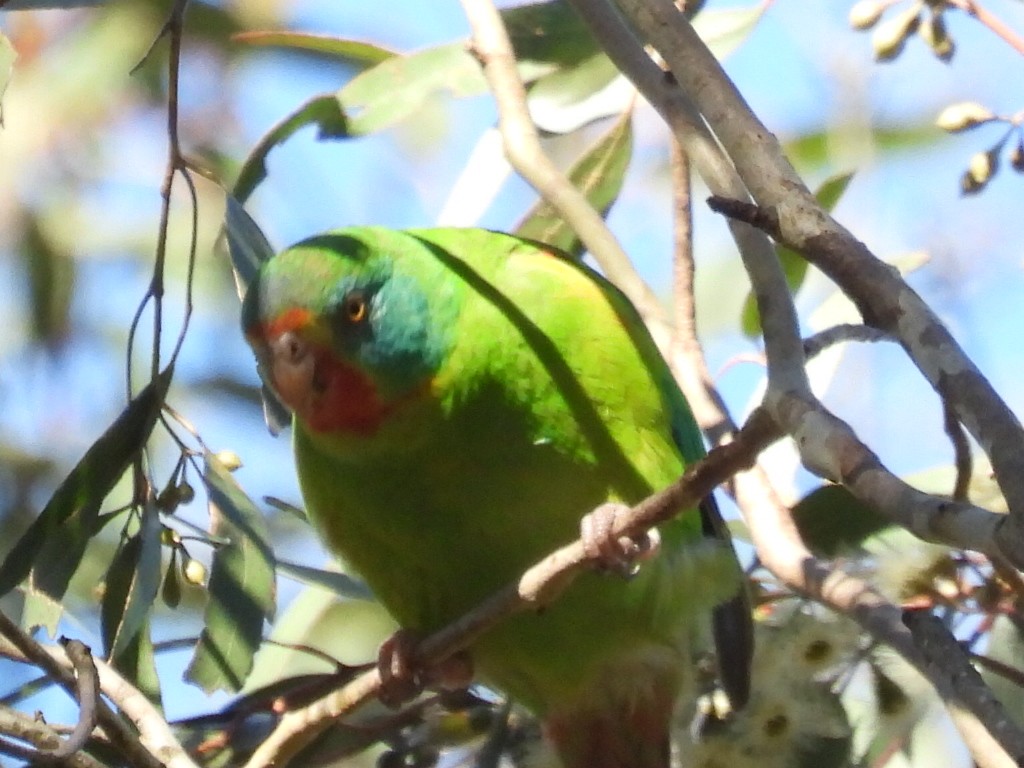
(247, 245)
(813, 150)
(794, 266)
(1006, 645)
(346, 630)
(340, 584)
(51, 276)
(23, 5)
(832, 521)
(71, 514)
(249, 249)
(242, 589)
(598, 174)
(40, 610)
(137, 663)
(724, 30)
(7, 58)
(323, 111)
(349, 51)
(132, 583)
(549, 33)
(391, 91)
(576, 95)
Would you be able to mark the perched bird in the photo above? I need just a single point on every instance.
(461, 399)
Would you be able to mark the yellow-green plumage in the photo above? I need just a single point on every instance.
(516, 392)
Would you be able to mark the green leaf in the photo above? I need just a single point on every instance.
(349, 51)
(724, 30)
(323, 111)
(832, 189)
(247, 245)
(832, 521)
(339, 583)
(794, 266)
(1006, 646)
(241, 585)
(137, 663)
(72, 511)
(391, 91)
(599, 174)
(25, 5)
(249, 250)
(548, 33)
(7, 58)
(576, 95)
(132, 583)
(50, 271)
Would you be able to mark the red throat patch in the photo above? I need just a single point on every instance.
(342, 399)
(326, 394)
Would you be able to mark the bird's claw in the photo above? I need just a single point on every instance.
(617, 554)
(403, 675)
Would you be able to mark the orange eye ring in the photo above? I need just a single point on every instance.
(355, 307)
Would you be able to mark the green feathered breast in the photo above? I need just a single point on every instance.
(506, 392)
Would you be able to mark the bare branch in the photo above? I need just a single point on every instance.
(88, 697)
(944, 657)
(522, 147)
(996, 25)
(154, 746)
(837, 334)
(879, 292)
(43, 737)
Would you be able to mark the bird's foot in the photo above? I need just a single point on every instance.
(618, 554)
(403, 675)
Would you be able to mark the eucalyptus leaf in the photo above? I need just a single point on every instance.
(322, 111)
(723, 30)
(7, 57)
(574, 96)
(355, 52)
(1006, 646)
(832, 521)
(72, 512)
(340, 584)
(242, 589)
(132, 584)
(599, 174)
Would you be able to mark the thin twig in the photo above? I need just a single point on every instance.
(492, 47)
(962, 459)
(55, 663)
(40, 735)
(996, 25)
(837, 334)
(88, 698)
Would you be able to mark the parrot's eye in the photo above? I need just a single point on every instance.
(354, 307)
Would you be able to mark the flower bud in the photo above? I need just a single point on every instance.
(194, 572)
(963, 116)
(889, 38)
(229, 459)
(866, 13)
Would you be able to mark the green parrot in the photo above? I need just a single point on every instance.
(461, 399)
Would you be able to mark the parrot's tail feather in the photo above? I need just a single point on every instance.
(625, 733)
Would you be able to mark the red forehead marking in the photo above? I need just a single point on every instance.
(289, 320)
